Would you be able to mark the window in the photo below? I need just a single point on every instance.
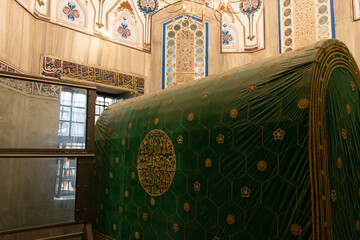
(72, 123)
(65, 182)
(103, 102)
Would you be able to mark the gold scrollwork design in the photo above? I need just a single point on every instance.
(278, 134)
(156, 163)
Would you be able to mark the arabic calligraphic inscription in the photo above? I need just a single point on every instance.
(156, 163)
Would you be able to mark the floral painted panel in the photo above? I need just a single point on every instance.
(125, 29)
(72, 12)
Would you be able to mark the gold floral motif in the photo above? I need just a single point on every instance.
(130, 125)
(111, 175)
(175, 228)
(348, 109)
(117, 160)
(352, 86)
(106, 190)
(278, 134)
(303, 103)
(171, 101)
(344, 134)
(261, 166)
(205, 96)
(186, 207)
(121, 210)
(152, 201)
(114, 227)
(357, 225)
(190, 117)
(141, 108)
(156, 163)
(180, 139)
(333, 195)
(339, 163)
(252, 87)
(156, 121)
(132, 175)
(197, 186)
(245, 192)
(233, 113)
(220, 139)
(101, 206)
(145, 217)
(208, 162)
(137, 235)
(109, 130)
(126, 193)
(230, 219)
(296, 229)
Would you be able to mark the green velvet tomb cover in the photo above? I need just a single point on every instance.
(264, 151)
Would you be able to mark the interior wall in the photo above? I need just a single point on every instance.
(23, 39)
(346, 29)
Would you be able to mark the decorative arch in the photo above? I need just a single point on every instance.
(72, 12)
(185, 50)
(125, 29)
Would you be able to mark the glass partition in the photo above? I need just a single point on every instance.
(42, 115)
(36, 191)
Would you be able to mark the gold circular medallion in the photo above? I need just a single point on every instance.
(156, 121)
(233, 113)
(303, 103)
(152, 201)
(261, 166)
(156, 163)
(348, 110)
(130, 125)
(296, 229)
(117, 160)
(186, 207)
(208, 162)
(190, 117)
(230, 219)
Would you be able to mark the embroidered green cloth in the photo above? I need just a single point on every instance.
(266, 151)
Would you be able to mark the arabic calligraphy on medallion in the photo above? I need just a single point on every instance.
(156, 163)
